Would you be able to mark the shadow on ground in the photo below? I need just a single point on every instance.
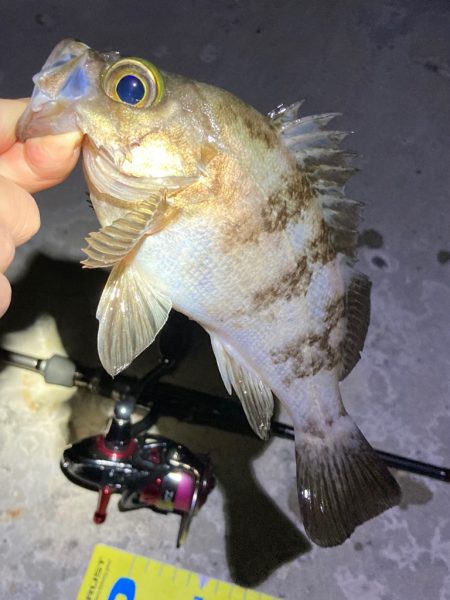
(259, 536)
(65, 291)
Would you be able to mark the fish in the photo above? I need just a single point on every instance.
(240, 221)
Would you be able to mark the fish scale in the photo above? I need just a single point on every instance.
(209, 281)
(240, 221)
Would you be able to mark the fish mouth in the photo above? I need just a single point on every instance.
(53, 118)
(61, 82)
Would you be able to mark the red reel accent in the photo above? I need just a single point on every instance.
(115, 454)
(103, 500)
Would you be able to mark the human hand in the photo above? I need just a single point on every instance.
(26, 167)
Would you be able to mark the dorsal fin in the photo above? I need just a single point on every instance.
(357, 310)
(326, 167)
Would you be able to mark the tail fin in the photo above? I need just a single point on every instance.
(341, 481)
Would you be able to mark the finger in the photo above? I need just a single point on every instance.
(7, 248)
(19, 213)
(5, 294)
(10, 111)
(40, 163)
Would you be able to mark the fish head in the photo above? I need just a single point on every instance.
(144, 129)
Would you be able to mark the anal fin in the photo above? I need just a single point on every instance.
(341, 482)
(131, 312)
(255, 396)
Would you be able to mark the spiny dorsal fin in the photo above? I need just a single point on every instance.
(256, 397)
(131, 312)
(357, 310)
(326, 166)
(112, 243)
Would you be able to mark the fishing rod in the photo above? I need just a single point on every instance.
(162, 399)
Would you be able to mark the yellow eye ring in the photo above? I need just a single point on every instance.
(133, 81)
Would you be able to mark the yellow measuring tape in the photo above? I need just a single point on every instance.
(113, 574)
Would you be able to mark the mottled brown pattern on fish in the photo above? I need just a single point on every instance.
(295, 281)
(258, 127)
(308, 354)
(290, 284)
(335, 311)
(286, 203)
(240, 224)
(320, 249)
(205, 190)
(314, 428)
(291, 194)
(259, 130)
(239, 233)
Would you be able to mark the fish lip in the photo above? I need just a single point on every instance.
(69, 46)
(53, 118)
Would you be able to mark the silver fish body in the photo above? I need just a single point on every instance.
(239, 221)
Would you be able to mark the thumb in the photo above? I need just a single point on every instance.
(40, 163)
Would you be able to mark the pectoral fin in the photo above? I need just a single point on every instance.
(256, 397)
(131, 313)
(112, 243)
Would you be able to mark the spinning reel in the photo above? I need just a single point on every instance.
(147, 470)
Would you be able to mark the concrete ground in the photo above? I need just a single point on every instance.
(385, 65)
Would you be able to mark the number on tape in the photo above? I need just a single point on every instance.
(113, 574)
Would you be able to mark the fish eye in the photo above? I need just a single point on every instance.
(130, 89)
(133, 81)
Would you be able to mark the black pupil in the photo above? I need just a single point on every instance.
(130, 89)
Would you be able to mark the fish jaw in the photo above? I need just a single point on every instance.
(53, 118)
(68, 76)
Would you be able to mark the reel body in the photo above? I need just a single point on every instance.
(148, 471)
